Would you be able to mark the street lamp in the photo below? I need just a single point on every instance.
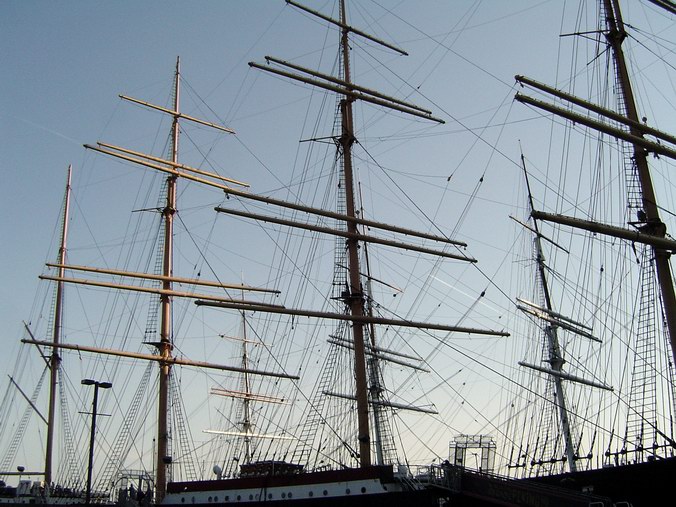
(97, 385)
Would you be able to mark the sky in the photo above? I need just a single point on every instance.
(66, 62)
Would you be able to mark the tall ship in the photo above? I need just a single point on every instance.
(326, 334)
(598, 290)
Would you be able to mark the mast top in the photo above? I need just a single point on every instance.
(347, 27)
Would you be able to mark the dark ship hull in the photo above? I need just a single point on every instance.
(637, 483)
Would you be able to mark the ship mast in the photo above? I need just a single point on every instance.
(355, 299)
(246, 422)
(653, 224)
(55, 360)
(556, 359)
(375, 387)
(652, 230)
(165, 345)
(648, 229)
(164, 354)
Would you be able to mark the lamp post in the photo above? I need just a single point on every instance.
(102, 385)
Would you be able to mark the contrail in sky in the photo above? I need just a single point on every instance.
(54, 132)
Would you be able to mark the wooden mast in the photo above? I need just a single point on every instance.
(55, 360)
(165, 346)
(654, 225)
(246, 423)
(648, 229)
(355, 299)
(374, 389)
(652, 230)
(556, 360)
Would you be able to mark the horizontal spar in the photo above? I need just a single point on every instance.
(383, 403)
(380, 356)
(277, 202)
(173, 164)
(379, 350)
(351, 86)
(271, 436)
(159, 359)
(597, 109)
(338, 216)
(540, 314)
(163, 169)
(148, 276)
(599, 126)
(151, 290)
(176, 114)
(344, 234)
(365, 319)
(247, 396)
(566, 376)
(344, 26)
(554, 314)
(347, 92)
(609, 230)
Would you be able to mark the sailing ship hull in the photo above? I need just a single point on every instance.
(378, 486)
(40, 501)
(640, 484)
(10, 500)
(30, 500)
(34, 493)
(373, 486)
(392, 499)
